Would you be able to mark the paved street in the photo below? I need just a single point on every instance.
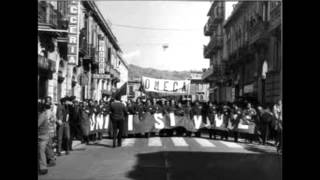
(168, 158)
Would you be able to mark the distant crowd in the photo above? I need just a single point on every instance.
(60, 124)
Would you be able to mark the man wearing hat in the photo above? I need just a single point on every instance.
(63, 129)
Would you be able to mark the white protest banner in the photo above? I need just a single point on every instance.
(106, 122)
(165, 85)
(218, 120)
(197, 121)
(92, 122)
(130, 122)
(172, 120)
(242, 126)
(159, 124)
(99, 122)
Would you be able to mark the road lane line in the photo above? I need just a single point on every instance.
(154, 141)
(204, 142)
(179, 141)
(128, 142)
(231, 144)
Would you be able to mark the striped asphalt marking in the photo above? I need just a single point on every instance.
(106, 142)
(231, 144)
(179, 141)
(128, 142)
(204, 142)
(154, 141)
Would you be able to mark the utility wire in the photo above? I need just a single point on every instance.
(151, 28)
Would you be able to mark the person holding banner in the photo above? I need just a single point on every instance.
(85, 122)
(188, 114)
(170, 110)
(149, 109)
(179, 111)
(197, 111)
(117, 116)
(212, 111)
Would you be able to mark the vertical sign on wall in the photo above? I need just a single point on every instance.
(101, 57)
(73, 42)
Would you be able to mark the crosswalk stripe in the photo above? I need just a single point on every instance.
(179, 141)
(106, 142)
(154, 141)
(204, 142)
(231, 144)
(128, 142)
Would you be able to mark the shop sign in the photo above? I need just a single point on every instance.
(101, 56)
(248, 88)
(73, 37)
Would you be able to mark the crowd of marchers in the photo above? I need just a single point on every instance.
(60, 124)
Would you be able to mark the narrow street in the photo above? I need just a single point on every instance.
(169, 158)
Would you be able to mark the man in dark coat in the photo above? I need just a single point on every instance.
(63, 128)
(85, 122)
(117, 116)
(74, 122)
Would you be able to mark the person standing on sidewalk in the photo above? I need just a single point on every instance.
(44, 117)
(63, 125)
(117, 116)
(52, 132)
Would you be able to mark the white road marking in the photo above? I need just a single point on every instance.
(105, 142)
(154, 141)
(231, 144)
(179, 141)
(204, 142)
(128, 142)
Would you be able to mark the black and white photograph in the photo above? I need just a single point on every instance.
(159, 90)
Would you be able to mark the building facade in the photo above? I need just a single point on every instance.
(215, 75)
(76, 40)
(198, 90)
(252, 52)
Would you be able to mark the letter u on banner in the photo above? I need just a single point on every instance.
(106, 122)
(130, 123)
(99, 121)
(159, 124)
(93, 122)
(197, 121)
(172, 119)
(218, 120)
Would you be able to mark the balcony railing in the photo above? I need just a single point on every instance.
(258, 31)
(275, 16)
(47, 15)
(212, 46)
(207, 31)
(114, 73)
(216, 72)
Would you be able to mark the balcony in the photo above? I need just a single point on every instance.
(258, 32)
(212, 46)
(218, 16)
(115, 74)
(275, 15)
(47, 16)
(215, 73)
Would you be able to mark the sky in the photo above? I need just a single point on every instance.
(181, 25)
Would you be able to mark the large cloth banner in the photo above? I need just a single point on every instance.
(165, 85)
(158, 121)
